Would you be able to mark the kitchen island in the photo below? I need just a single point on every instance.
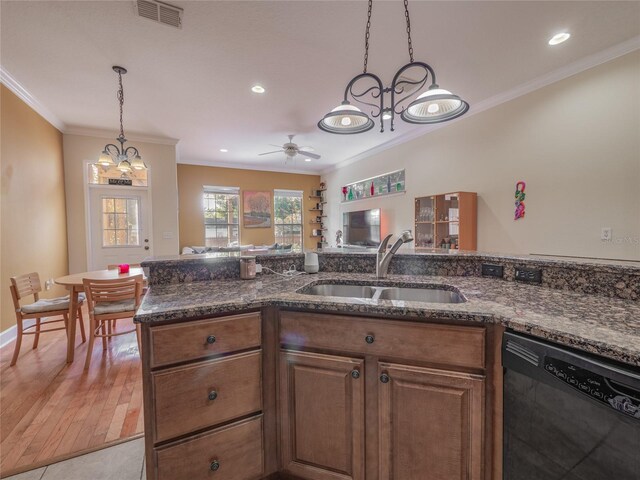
(326, 387)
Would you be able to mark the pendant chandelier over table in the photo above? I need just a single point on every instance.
(126, 159)
(435, 105)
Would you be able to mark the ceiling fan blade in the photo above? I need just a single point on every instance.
(308, 154)
(273, 145)
(269, 153)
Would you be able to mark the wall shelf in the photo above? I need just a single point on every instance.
(317, 217)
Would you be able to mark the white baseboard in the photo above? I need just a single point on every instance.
(9, 335)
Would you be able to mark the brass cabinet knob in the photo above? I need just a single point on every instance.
(215, 465)
(355, 373)
(369, 339)
(213, 395)
(211, 339)
(384, 378)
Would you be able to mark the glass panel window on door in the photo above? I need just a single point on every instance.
(120, 222)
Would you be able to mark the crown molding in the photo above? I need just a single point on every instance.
(566, 71)
(23, 94)
(254, 168)
(111, 134)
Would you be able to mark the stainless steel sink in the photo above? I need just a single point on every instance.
(428, 295)
(331, 290)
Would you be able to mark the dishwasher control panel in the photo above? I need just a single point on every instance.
(620, 397)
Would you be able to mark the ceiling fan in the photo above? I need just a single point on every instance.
(290, 149)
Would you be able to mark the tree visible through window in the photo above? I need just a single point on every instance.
(288, 218)
(120, 222)
(221, 216)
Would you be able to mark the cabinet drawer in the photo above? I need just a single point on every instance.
(192, 340)
(237, 449)
(452, 345)
(205, 394)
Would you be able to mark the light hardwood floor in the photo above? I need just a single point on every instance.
(51, 411)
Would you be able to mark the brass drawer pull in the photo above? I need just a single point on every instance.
(211, 339)
(215, 465)
(369, 339)
(213, 395)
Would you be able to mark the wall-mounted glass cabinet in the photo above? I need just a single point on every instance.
(447, 221)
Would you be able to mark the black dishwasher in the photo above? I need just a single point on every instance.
(568, 415)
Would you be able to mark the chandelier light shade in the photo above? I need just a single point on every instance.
(105, 159)
(345, 119)
(138, 164)
(435, 105)
(128, 158)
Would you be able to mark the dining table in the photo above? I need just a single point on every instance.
(74, 284)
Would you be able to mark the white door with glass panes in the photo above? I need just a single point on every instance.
(119, 226)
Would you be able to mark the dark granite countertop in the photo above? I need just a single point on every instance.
(617, 266)
(605, 326)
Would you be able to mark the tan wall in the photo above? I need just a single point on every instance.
(192, 178)
(576, 143)
(34, 229)
(161, 159)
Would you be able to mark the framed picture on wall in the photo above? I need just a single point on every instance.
(256, 209)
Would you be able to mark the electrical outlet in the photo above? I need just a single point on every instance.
(529, 275)
(605, 234)
(489, 270)
(48, 284)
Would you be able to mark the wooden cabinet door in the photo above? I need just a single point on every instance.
(430, 424)
(322, 416)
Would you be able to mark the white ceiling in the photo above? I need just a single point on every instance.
(194, 84)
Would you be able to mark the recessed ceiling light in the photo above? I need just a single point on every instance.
(257, 89)
(224, 150)
(307, 159)
(559, 38)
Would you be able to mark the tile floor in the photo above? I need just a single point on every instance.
(120, 462)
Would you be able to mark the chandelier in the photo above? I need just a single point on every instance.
(126, 159)
(435, 105)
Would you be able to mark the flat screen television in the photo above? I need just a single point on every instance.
(361, 228)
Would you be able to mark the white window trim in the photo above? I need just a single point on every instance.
(290, 193)
(226, 191)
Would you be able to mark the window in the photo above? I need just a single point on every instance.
(120, 222)
(221, 218)
(101, 175)
(288, 217)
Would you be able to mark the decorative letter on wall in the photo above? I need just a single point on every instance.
(520, 186)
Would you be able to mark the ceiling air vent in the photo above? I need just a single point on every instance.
(160, 12)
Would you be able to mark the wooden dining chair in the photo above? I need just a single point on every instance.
(111, 300)
(114, 266)
(27, 285)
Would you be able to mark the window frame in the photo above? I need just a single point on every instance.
(215, 191)
(295, 194)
